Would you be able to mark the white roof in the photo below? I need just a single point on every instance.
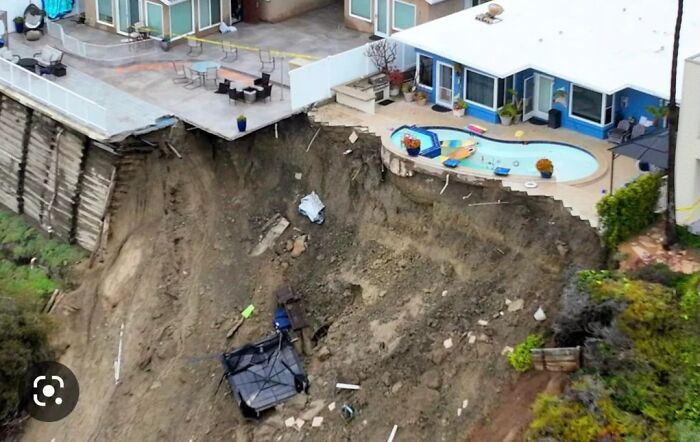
(606, 45)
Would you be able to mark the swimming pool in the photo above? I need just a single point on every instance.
(570, 162)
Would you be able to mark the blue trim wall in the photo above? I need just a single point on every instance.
(636, 101)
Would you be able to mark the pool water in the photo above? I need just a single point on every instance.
(570, 162)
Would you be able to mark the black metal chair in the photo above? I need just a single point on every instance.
(265, 93)
(235, 95)
(262, 81)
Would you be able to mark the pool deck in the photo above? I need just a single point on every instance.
(579, 196)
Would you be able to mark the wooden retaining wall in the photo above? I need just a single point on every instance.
(54, 175)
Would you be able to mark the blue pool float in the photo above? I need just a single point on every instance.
(501, 171)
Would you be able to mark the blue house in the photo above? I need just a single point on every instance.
(595, 61)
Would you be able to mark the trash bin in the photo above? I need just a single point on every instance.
(554, 119)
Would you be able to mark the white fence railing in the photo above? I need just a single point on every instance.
(314, 82)
(53, 95)
(118, 53)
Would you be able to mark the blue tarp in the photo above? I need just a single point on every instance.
(57, 8)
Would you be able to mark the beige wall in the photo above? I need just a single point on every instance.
(424, 13)
(688, 148)
(277, 10)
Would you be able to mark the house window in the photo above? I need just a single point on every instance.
(361, 9)
(404, 15)
(104, 12)
(154, 18)
(425, 71)
(591, 106)
(480, 88)
(181, 19)
(504, 85)
(209, 13)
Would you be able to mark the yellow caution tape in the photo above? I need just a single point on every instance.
(273, 52)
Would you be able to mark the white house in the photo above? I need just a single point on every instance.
(688, 149)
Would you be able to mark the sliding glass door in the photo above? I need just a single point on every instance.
(128, 13)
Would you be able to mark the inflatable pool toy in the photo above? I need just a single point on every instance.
(462, 153)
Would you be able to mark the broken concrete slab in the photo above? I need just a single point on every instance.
(516, 305)
(278, 225)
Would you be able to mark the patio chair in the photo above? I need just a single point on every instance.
(180, 74)
(262, 81)
(620, 133)
(211, 75)
(223, 87)
(637, 131)
(33, 18)
(229, 50)
(267, 61)
(264, 94)
(193, 79)
(48, 56)
(235, 95)
(194, 46)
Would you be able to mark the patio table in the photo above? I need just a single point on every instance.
(250, 95)
(200, 67)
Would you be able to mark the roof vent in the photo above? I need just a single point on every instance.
(491, 16)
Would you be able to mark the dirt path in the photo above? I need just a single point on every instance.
(395, 271)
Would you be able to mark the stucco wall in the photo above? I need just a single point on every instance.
(688, 149)
(278, 10)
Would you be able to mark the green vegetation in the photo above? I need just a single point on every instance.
(24, 289)
(629, 210)
(644, 382)
(687, 239)
(520, 358)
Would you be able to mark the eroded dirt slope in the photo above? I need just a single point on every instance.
(395, 271)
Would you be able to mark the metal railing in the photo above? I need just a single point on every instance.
(53, 95)
(117, 53)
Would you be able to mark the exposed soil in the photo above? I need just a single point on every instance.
(395, 271)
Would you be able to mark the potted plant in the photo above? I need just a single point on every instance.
(657, 112)
(421, 98)
(409, 91)
(459, 107)
(545, 167)
(412, 145)
(19, 24)
(507, 113)
(241, 121)
(165, 43)
(395, 80)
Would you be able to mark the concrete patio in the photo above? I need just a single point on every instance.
(317, 34)
(580, 197)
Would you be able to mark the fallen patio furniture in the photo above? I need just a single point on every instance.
(264, 374)
(637, 131)
(294, 307)
(313, 208)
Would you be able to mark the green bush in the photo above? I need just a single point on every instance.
(648, 372)
(23, 341)
(687, 239)
(629, 210)
(520, 358)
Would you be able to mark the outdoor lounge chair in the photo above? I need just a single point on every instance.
(33, 18)
(180, 75)
(637, 131)
(48, 57)
(620, 133)
(264, 94)
(263, 80)
(223, 87)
